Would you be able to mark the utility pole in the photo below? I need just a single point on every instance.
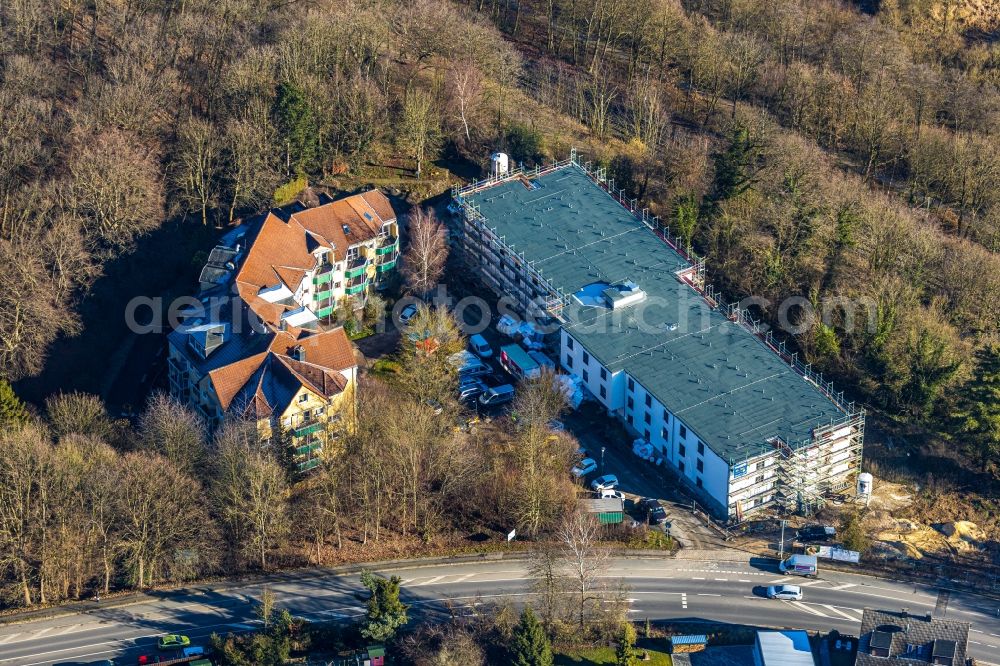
(781, 549)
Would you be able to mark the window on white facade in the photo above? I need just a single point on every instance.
(569, 343)
(304, 397)
(586, 358)
(569, 361)
(701, 448)
(648, 419)
(700, 465)
(683, 432)
(604, 373)
(649, 400)
(681, 450)
(631, 384)
(604, 392)
(586, 375)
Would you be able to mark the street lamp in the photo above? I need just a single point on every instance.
(603, 449)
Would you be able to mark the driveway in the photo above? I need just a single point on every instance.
(594, 429)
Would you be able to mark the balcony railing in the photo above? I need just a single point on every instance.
(357, 267)
(390, 244)
(386, 266)
(322, 279)
(307, 428)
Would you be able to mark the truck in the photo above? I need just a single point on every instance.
(518, 363)
(799, 565)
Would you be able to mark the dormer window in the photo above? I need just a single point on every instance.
(347, 230)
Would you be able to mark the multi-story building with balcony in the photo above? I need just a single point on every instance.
(744, 423)
(261, 342)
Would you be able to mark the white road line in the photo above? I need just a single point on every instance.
(808, 583)
(724, 580)
(464, 577)
(802, 606)
(684, 600)
(843, 586)
(840, 613)
(783, 579)
(8, 639)
(705, 594)
(744, 580)
(42, 632)
(432, 580)
(697, 578)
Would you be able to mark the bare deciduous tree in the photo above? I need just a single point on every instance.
(426, 253)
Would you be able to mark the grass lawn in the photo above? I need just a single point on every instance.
(605, 655)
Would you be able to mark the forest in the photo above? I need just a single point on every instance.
(839, 152)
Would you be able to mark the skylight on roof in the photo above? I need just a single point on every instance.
(368, 216)
(347, 230)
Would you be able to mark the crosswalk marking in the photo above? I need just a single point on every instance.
(840, 612)
(843, 586)
(802, 606)
(684, 600)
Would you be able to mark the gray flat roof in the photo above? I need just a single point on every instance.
(723, 382)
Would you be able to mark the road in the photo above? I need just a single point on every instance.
(658, 589)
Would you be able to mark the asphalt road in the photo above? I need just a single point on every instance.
(657, 588)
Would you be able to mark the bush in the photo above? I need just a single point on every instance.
(524, 144)
(290, 190)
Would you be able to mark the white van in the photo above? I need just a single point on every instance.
(478, 344)
(497, 395)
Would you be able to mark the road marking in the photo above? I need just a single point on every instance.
(684, 600)
(840, 613)
(783, 579)
(697, 578)
(42, 632)
(8, 639)
(431, 581)
(843, 586)
(724, 580)
(802, 606)
(463, 578)
(705, 594)
(744, 580)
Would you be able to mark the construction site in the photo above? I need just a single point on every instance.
(748, 426)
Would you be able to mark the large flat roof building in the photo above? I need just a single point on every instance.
(651, 343)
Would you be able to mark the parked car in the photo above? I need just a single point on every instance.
(610, 493)
(406, 314)
(497, 395)
(816, 533)
(173, 641)
(786, 592)
(656, 514)
(480, 346)
(584, 467)
(471, 390)
(606, 481)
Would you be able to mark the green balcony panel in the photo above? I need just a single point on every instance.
(323, 279)
(389, 247)
(307, 465)
(356, 289)
(356, 270)
(387, 266)
(325, 312)
(308, 429)
(307, 449)
(322, 295)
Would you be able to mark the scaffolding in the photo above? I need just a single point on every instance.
(811, 473)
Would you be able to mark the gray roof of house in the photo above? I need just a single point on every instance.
(785, 648)
(911, 639)
(723, 382)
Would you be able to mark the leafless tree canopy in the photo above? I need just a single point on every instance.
(427, 252)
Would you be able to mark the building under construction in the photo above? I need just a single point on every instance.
(745, 423)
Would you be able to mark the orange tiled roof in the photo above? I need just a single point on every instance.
(229, 379)
(330, 349)
(330, 219)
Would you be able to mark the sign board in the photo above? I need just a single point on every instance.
(510, 537)
(838, 554)
(739, 470)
